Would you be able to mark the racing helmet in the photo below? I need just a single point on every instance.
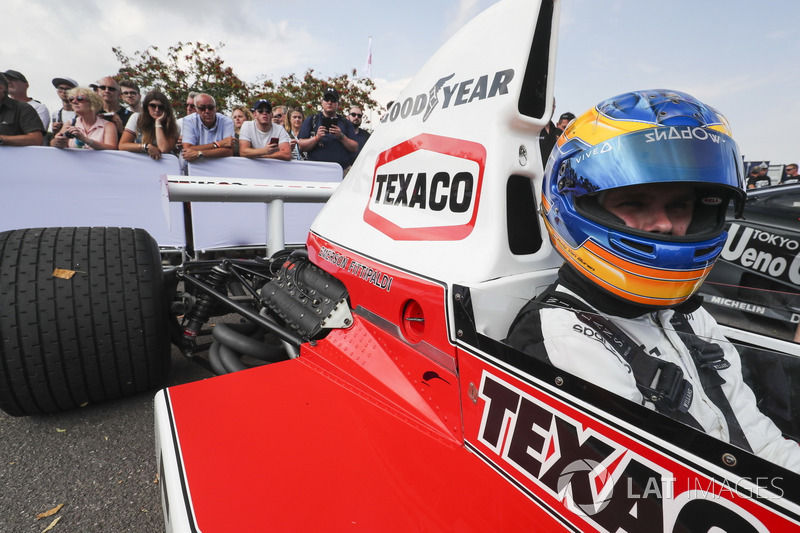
(642, 137)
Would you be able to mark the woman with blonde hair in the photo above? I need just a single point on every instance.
(154, 131)
(292, 122)
(239, 114)
(86, 129)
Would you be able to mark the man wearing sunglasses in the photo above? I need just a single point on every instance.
(355, 115)
(278, 112)
(327, 136)
(790, 175)
(206, 133)
(108, 89)
(190, 110)
(262, 137)
(20, 125)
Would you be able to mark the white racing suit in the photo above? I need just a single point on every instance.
(578, 347)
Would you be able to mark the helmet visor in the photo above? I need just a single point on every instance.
(655, 155)
(706, 159)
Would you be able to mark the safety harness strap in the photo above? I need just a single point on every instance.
(709, 358)
(660, 382)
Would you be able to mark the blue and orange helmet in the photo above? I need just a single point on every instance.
(643, 137)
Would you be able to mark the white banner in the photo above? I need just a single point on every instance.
(49, 187)
(217, 225)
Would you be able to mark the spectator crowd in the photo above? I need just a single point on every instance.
(112, 115)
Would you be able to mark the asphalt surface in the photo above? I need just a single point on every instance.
(98, 461)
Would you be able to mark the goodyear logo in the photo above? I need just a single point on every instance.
(427, 188)
(446, 93)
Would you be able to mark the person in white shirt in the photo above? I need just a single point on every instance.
(263, 138)
(65, 113)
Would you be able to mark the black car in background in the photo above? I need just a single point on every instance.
(755, 284)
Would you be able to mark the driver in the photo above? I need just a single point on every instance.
(634, 199)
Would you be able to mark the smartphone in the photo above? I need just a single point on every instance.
(274, 141)
(328, 122)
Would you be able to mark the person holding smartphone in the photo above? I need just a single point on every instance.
(263, 138)
(327, 136)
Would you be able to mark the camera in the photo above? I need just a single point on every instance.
(69, 135)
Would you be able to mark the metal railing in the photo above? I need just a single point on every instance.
(273, 193)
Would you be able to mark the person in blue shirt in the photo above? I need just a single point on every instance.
(206, 133)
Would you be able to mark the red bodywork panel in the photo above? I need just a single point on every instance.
(388, 426)
(318, 453)
(362, 431)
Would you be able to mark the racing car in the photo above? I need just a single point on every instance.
(364, 379)
(756, 283)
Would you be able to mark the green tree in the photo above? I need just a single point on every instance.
(306, 93)
(197, 66)
(183, 68)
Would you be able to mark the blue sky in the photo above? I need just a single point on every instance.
(739, 56)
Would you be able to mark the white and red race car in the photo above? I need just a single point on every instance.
(391, 402)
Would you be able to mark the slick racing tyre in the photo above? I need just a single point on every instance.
(94, 331)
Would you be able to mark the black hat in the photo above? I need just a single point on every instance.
(17, 75)
(330, 91)
(262, 103)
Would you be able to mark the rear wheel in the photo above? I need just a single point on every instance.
(99, 335)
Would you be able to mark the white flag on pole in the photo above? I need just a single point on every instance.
(368, 63)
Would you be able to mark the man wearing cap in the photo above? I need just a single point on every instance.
(20, 125)
(206, 133)
(108, 89)
(18, 90)
(65, 114)
(327, 136)
(263, 138)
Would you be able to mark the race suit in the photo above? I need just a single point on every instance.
(556, 334)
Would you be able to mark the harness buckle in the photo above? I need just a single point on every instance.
(670, 390)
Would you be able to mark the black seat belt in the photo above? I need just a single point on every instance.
(708, 359)
(660, 382)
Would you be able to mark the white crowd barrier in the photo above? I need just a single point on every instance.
(47, 187)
